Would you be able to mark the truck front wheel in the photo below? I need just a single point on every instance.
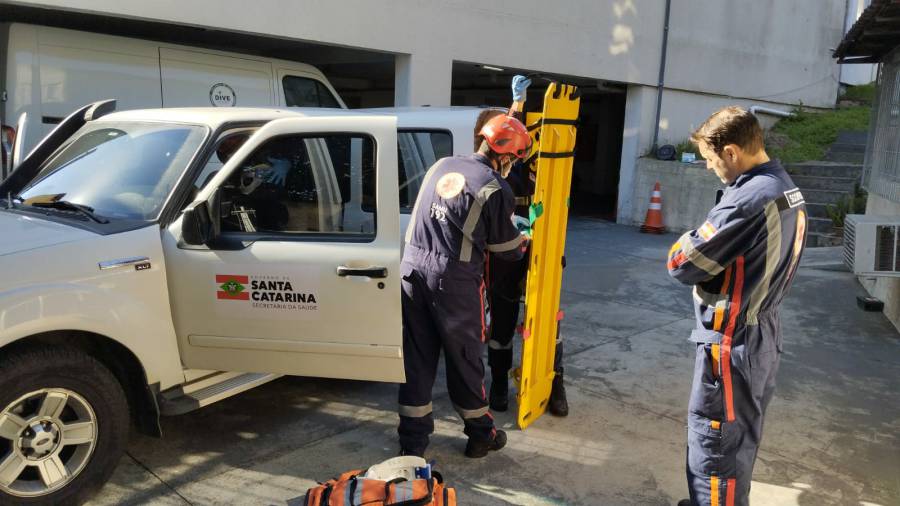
(63, 426)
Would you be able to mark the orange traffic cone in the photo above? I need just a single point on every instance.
(653, 223)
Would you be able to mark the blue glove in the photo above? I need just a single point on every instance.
(519, 85)
(279, 171)
(522, 224)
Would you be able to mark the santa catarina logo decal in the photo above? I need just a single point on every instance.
(268, 292)
(232, 287)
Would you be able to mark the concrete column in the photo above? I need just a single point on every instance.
(640, 103)
(422, 79)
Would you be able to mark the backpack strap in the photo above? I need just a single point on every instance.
(326, 495)
(423, 501)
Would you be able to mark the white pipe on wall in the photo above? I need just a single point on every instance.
(768, 110)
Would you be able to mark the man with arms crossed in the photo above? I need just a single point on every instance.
(741, 262)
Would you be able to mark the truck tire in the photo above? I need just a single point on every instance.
(64, 424)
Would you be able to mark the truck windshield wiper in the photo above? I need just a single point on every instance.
(65, 205)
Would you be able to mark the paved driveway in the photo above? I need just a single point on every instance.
(831, 434)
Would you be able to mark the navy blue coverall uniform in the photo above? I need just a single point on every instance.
(463, 210)
(741, 262)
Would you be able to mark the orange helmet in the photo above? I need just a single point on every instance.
(505, 134)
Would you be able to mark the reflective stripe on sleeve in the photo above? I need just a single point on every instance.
(506, 246)
(720, 307)
(415, 211)
(468, 414)
(465, 252)
(773, 257)
(706, 298)
(495, 345)
(694, 256)
(415, 411)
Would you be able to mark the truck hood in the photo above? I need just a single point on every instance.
(19, 233)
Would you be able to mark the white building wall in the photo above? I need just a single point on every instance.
(741, 48)
(769, 50)
(720, 52)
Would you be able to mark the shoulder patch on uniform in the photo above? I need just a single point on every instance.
(707, 231)
(450, 185)
(794, 197)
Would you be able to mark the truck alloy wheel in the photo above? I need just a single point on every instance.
(63, 425)
(50, 435)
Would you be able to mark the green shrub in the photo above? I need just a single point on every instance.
(864, 93)
(849, 204)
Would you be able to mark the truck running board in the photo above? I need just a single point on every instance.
(209, 389)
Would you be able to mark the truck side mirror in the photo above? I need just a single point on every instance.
(196, 225)
(201, 222)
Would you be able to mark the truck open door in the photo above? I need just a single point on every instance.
(281, 284)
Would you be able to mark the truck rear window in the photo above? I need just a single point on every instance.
(417, 150)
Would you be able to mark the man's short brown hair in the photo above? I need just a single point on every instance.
(482, 119)
(730, 125)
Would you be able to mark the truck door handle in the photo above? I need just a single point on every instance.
(369, 272)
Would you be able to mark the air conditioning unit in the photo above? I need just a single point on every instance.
(872, 244)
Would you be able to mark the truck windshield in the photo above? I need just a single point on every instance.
(120, 170)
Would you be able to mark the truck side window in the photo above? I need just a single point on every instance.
(301, 184)
(225, 147)
(305, 92)
(417, 150)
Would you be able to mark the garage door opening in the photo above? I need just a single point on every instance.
(598, 147)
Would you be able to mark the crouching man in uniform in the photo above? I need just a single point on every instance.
(463, 210)
(741, 263)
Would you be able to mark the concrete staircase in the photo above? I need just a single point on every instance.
(826, 182)
(849, 147)
(823, 183)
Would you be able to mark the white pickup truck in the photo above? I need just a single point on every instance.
(156, 261)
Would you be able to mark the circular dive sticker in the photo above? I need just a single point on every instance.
(449, 185)
(222, 95)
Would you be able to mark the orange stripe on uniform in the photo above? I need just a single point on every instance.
(729, 492)
(798, 242)
(714, 351)
(714, 491)
(677, 261)
(726, 337)
(483, 326)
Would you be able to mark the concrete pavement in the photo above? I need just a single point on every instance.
(832, 434)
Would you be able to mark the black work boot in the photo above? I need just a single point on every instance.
(685, 502)
(499, 398)
(475, 449)
(413, 452)
(559, 406)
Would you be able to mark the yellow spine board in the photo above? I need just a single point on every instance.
(550, 214)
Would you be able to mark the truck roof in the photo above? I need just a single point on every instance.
(450, 118)
(216, 116)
